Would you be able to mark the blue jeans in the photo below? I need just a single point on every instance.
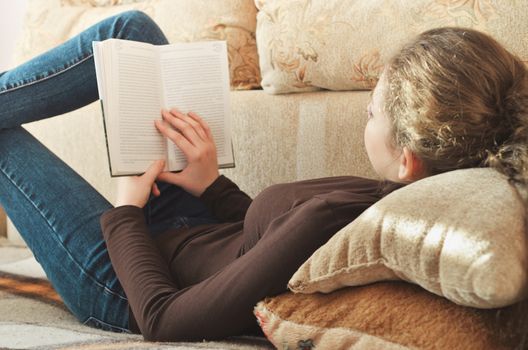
(55, 210)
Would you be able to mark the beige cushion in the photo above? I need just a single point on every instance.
(96, 3)
(343, 44)
(384, 315)
(49, 24)
(460, 235)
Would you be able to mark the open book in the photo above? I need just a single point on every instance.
(136, 80)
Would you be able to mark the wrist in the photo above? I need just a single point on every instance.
(205, 184)
(118, 204)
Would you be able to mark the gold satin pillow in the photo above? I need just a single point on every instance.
(460, 235)
(384, 315)
(48, 24)
(344, 44)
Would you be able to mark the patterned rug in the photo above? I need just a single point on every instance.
(29, 287)
(32, 316)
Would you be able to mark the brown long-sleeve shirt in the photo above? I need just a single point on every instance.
(203, 282)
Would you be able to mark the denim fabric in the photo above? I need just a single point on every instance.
(175, 208)
(55, 210)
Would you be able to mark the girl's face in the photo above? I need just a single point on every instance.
(383, 156)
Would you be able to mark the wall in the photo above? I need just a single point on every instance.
(11, 16)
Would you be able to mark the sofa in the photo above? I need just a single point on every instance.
(303, 143)
(279, 135)
(301, 75)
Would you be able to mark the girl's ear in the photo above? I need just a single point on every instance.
(411, 167)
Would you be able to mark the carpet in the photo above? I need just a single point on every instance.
(32, 315)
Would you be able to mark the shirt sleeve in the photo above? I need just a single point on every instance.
(135, 258)
(225, 200)
(222, 304)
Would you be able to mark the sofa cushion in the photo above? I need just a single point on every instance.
(48, 23)
(343, 44)
(384, 315)
(95, 3)
(460, 235)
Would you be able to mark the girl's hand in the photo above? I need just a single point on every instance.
(193, 137)
(135, 190)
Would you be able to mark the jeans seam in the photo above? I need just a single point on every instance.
(183, 221)
(49, 76)
(123, 330)
(99, 284)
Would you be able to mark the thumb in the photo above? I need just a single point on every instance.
(154, 170)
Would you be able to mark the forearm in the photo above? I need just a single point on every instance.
(222, 304)
(139, 266)
(162, 311)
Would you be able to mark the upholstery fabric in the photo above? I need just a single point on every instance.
(384, 315)
(314, 135)
(48, 24)
(344, 44)
(460, 235)
(96, 3)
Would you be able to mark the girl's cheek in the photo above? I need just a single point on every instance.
(366, 137)
(368, 141)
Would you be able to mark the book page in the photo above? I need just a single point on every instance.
(195, 77)
(136, 142)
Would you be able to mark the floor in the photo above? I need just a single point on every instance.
(30, 317)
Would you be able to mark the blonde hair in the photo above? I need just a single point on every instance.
(458, 99)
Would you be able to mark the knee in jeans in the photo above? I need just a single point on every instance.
(133, 18)
(137, 25)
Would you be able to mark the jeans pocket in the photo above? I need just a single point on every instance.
(193, 221)
(96, 323)
(160, 227)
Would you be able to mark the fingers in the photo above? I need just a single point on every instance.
(202, 122)
(154, 170)
(194, 120)
(185, 128)
(180, 140)
(186, 131)
(187, 125)
(155, 190)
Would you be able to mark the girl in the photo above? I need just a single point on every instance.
(186, 256)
